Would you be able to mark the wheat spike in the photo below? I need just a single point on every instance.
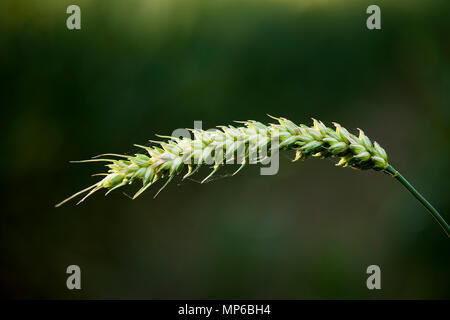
(168, 158)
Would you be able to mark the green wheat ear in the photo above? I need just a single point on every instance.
(167, 159)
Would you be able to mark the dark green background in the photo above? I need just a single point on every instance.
(137, 68)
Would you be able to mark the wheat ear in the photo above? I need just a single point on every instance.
(166, 159)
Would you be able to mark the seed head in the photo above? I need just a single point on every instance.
(251, 143)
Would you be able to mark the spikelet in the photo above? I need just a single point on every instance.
(228, 144)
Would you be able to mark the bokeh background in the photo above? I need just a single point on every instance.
(137, 68)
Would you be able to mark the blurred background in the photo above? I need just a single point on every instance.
(137, 68)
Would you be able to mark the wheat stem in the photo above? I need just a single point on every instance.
(444, 225)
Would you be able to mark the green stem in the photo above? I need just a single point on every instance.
(444, 225)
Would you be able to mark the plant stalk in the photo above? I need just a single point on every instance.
(444, 225)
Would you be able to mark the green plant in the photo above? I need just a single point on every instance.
(254, 141)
